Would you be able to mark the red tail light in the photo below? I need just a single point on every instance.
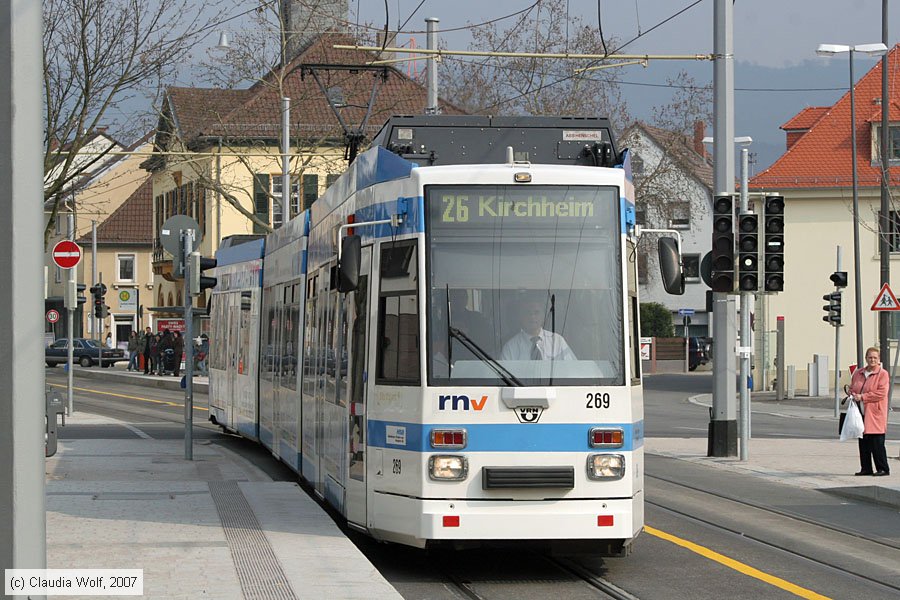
(602, 520)
(448, 438)
(606, 438)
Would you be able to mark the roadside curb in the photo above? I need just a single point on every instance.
(868, 493)
(166, 383)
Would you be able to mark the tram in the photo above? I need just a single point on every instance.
(446, 345)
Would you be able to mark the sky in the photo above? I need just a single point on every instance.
(777, 72)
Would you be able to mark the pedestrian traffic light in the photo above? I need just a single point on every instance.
(198, 281)
(833, 308)
(722, 271)
(98, 291)
(839, 278)
(774, 244)
(748, 253)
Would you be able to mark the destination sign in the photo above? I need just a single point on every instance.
(486, 205)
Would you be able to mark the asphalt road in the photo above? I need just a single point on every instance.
(709, 534)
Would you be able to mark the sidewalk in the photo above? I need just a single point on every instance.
(823, 464)
(214, 527)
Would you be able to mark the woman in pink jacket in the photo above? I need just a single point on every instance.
(870, 386)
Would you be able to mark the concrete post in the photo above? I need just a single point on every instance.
(723, 426)
(23, 530)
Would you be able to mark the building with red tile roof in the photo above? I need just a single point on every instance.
(815, 175)
(218, 151)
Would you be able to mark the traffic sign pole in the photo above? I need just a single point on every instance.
(70, 329)
(187, 236)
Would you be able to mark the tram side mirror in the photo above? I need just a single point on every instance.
(670, 266)
(348, 269)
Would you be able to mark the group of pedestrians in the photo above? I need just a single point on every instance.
(162, 352)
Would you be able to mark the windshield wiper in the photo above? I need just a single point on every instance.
(507, 377)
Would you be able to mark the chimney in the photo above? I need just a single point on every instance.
(699, 134)
(306, 19)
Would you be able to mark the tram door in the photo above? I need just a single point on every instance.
(357, 311)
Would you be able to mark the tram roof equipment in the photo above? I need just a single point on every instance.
(430, 140)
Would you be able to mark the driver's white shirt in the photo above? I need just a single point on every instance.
(552, 345)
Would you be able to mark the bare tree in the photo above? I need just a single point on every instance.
(98, 56)
(537, 86)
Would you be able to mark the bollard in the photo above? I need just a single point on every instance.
(54, 407)
(791, 381)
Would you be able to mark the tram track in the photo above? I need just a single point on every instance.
(782, 513)
(743, 534)
(567, 578)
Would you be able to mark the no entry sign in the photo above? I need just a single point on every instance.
(66, 254)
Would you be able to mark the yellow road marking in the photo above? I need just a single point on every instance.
(163, 402)
(736, 565)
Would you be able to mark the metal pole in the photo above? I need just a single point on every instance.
(431, 67)
(884, 253)
(746, 342)
(23, 523)
(723, 427)
(779, 359)
(857, 284)
(285, 160)
(70, 330)
(94, 271)
(837, 354)
(187, 240)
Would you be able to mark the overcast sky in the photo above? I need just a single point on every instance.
(777, 72)
(772, 33)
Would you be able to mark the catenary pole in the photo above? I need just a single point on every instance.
(431, 67)
(723, 427)
(884, 253)
(23, 531)
(857, 280)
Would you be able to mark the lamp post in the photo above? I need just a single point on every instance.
(872, 50)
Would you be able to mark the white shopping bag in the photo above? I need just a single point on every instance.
(853, 424)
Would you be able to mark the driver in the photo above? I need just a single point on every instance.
(533, 342)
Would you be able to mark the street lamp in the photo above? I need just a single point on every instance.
(872, 50)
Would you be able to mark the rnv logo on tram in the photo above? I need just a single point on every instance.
(461, 402)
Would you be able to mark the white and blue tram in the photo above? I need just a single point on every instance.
(464, 301)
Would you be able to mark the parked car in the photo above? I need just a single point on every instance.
(698, 352)
(84, 352)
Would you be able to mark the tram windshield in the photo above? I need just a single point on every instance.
(525, 285)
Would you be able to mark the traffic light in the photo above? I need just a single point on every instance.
(98, 291)
(722, 270)
(773, 258)
(839, 279)
(198, 281)
(79, 293)
(833, 308)
(748, 253)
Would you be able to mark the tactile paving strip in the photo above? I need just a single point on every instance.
(258, 569)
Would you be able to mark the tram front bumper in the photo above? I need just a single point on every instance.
(416, 521)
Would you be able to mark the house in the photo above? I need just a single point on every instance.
(112, 175)
(673, 187)
(815, 176)
(218, 150)
(124, 252)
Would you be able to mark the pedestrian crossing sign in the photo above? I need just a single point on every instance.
(886, 300)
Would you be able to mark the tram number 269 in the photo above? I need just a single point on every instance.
(597, 400)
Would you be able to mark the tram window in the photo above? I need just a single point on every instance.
(398, 314)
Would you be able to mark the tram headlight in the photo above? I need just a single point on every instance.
(444, 467)
(606, 466)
